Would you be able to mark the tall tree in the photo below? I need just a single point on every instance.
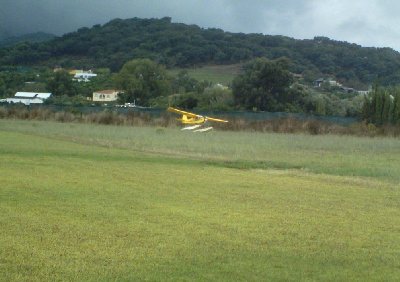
(387, 101)
(367, 109)
(396, 109)
(142, 80)
(382, 106)
(61, 84)
(263, 85)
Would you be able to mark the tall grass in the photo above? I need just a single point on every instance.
(281, 125)
(332, 154)
(107, 117)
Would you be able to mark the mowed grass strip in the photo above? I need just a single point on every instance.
(87, 213)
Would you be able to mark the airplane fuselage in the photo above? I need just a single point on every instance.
(192, 120)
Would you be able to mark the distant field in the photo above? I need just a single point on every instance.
(223, 74)
(88, 203)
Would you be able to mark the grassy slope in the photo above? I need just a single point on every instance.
(72, 211)
(223, 74)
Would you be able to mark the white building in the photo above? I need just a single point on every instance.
(84, 76)
(27, 98)
(105, 95)
(363, 92)
(334, 83)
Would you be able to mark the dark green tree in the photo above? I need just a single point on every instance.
(142, 80)
(186, 101)
(263, 85)
(377, 106)
(387, 101)
(2, 88)
(61, 84)
(216, 99)
(395, 119)
(382, 106)
(367, 109)
(183, 83)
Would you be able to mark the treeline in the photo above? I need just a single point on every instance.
(180, 45)
(263, 85)
(382, 106)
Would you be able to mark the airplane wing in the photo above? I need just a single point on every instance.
(188, 114)
(216, 119)
(173, 110)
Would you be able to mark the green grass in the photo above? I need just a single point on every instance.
(90, 203)
(328, 154)
(223, 74)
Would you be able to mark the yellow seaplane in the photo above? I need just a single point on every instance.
(194, 121)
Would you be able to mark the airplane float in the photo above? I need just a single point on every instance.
(194, 121)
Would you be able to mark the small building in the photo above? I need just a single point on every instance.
(334, 83)
(347, 89)
(84, 76)
(73, 72)
(318, 82)
(221, 86)
(57, 69)
(27, 98)
(363, 92)
(106, 95)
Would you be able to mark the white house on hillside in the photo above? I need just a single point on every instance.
(106, 95)
(84, 76)
(27, 98)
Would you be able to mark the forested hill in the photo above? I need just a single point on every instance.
(174, 44)
(31, 37)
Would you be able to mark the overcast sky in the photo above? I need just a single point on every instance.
(374, 23)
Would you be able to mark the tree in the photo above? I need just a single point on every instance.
(2, 88)
(396, 110)
(382, 106)
(377, 105)
(367, 109)
(263, 85)
(61, 84)
(216, 99)
(387, 101)
(142, 80)
(184, 83)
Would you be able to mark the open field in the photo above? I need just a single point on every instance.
(89, 202)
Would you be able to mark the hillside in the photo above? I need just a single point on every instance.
(31, 37)
(180, 45)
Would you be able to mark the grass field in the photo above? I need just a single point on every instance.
(88, 203)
